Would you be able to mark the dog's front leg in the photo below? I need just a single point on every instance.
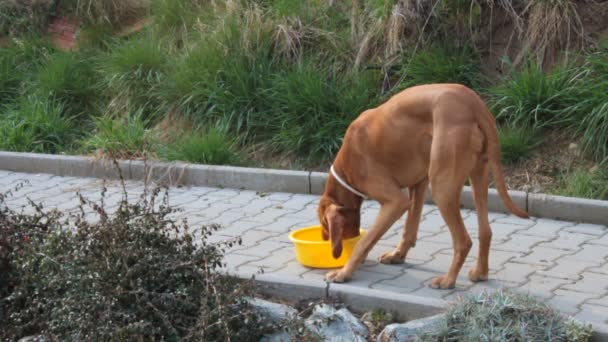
(389, 213)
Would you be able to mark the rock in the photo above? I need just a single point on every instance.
(594, 169)
(410, 330)
(281, 336)
(34, 338)
(274, 312)
(336, 325)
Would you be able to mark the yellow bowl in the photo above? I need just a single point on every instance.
(312, 251)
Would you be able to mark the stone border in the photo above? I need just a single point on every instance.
(270, 180)
(405, 307)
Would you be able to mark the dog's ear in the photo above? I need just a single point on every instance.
(335, 222)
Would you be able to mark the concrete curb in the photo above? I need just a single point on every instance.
(360, 300)
(303, 182)
(405, 307)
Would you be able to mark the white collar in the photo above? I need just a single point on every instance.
(344, 184)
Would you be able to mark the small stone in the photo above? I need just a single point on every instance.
(594, 169)
(409, 331)
(573, 146)
(336, 325)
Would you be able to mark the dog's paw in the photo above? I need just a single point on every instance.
(442, 282)
(337, 276)
(475, 275)
(393, 257)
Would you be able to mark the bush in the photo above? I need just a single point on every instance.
(134, 275)
(506, 316)
(585, 183)
(121, 137)
(516, 143)
(36, 124)
(213, 146)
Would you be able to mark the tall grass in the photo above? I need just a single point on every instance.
(18, 61)
(530, 98)
(36, 124)
(133, 70)
(70, 79)
(594, 125)
(585, 183)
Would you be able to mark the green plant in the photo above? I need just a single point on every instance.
(136, 274)
(529, 98)
(70, 79)
(507, 316)
(212, 146)
(121, 136)
(585, 183)
(36, 124)
(516, 143)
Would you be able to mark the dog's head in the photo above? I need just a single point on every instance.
(338, 223)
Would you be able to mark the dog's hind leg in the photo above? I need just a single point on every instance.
(479, 183)
(410, 230)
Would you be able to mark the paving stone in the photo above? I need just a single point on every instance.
(515, 272)
(542, 256)
(391, 288)
(519, 243)
(429, 292)
(412, 279)
(544, 228)
(365, 278)
(502, 232)
(567, 241)
(603, 240)
(569, 301)
(542, 286)
(514, 220)
(293, 268)
(603, 269)
(590, 283)
(590, 253)
(567, 269)
(491, 285)
(298, 201)
(269, 215)
(496, 259)
(238, 228)
(590, 229)
(596, 315)
(432, 223)
(314, 274)
(425, 249)
(237, 259)
(602, 301)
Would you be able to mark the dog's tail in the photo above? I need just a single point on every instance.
(487, 124)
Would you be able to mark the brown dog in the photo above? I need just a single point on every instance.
(438, 134)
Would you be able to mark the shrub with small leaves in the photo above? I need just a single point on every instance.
(131, 274)
(507, 316)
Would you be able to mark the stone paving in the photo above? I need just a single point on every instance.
(565, 263)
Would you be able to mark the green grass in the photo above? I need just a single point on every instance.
(121, 137)
(213, 146)
(516, 143)
(36, 124)
(585, 183)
